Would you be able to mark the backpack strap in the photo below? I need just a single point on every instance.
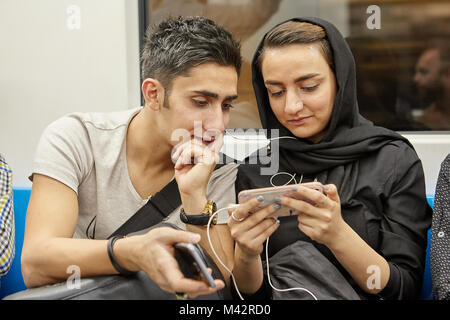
(155, 210)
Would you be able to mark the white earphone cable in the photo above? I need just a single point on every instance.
(214, 251)
(267, 241)
(231, 273)
(270, 282)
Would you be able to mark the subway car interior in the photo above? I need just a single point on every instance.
(64, 56)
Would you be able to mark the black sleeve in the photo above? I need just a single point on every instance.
(263, 293)
(440, 235)
(406, 220)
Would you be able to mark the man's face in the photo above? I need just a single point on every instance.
(199, 103)
(426, 77)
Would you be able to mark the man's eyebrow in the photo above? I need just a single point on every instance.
(231, 97)
(302, 78)
(215, 95)
(207, 93)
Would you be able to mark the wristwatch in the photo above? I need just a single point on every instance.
(202, 218)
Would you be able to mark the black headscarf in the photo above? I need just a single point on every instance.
(349, 136)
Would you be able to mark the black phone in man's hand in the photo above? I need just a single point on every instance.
(189, 258)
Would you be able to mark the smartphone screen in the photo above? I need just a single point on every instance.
(270, 194)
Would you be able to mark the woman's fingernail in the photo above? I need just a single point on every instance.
(277, 199)
(260, 198)
(295, 188)
(326, 187)
(276, 206)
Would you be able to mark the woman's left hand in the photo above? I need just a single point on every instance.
(321, 220)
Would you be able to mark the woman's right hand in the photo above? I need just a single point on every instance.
(250, 233)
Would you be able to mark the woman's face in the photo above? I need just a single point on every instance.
(301, 88)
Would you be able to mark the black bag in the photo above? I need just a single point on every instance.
(301, 265)
(138, 286)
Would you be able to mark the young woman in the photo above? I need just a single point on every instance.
(365, 235)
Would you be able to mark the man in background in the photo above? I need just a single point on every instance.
(432, 79)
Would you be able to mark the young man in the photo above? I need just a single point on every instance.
(94, 171)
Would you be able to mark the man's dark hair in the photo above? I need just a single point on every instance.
(176, 45)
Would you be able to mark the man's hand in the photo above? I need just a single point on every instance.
(154, 254)
(194, 163)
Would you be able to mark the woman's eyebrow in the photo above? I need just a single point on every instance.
(272, 82)
(301, 78)
(307, 76)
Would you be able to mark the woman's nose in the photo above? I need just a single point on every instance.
(294, 104)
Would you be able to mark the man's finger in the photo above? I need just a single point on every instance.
(171, 236)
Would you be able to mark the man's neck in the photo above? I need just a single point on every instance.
(148, 156)
(145, 146)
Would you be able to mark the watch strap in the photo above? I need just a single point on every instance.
(200, 219)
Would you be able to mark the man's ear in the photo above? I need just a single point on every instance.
(153, 93)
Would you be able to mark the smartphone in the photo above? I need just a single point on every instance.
(271, 193)
(192, 265)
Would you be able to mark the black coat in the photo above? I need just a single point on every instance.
(389, 211)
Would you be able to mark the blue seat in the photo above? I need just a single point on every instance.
(13, 281)
(427, 286)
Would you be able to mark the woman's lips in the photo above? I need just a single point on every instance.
(299, 121)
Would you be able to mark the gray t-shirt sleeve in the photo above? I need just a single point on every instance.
(64, 152)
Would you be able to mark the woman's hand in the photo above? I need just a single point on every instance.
(250, 230)
(321, 220)
(254, 229)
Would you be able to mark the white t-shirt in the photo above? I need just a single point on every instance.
(87, 152)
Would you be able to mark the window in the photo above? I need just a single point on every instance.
(401, 49)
